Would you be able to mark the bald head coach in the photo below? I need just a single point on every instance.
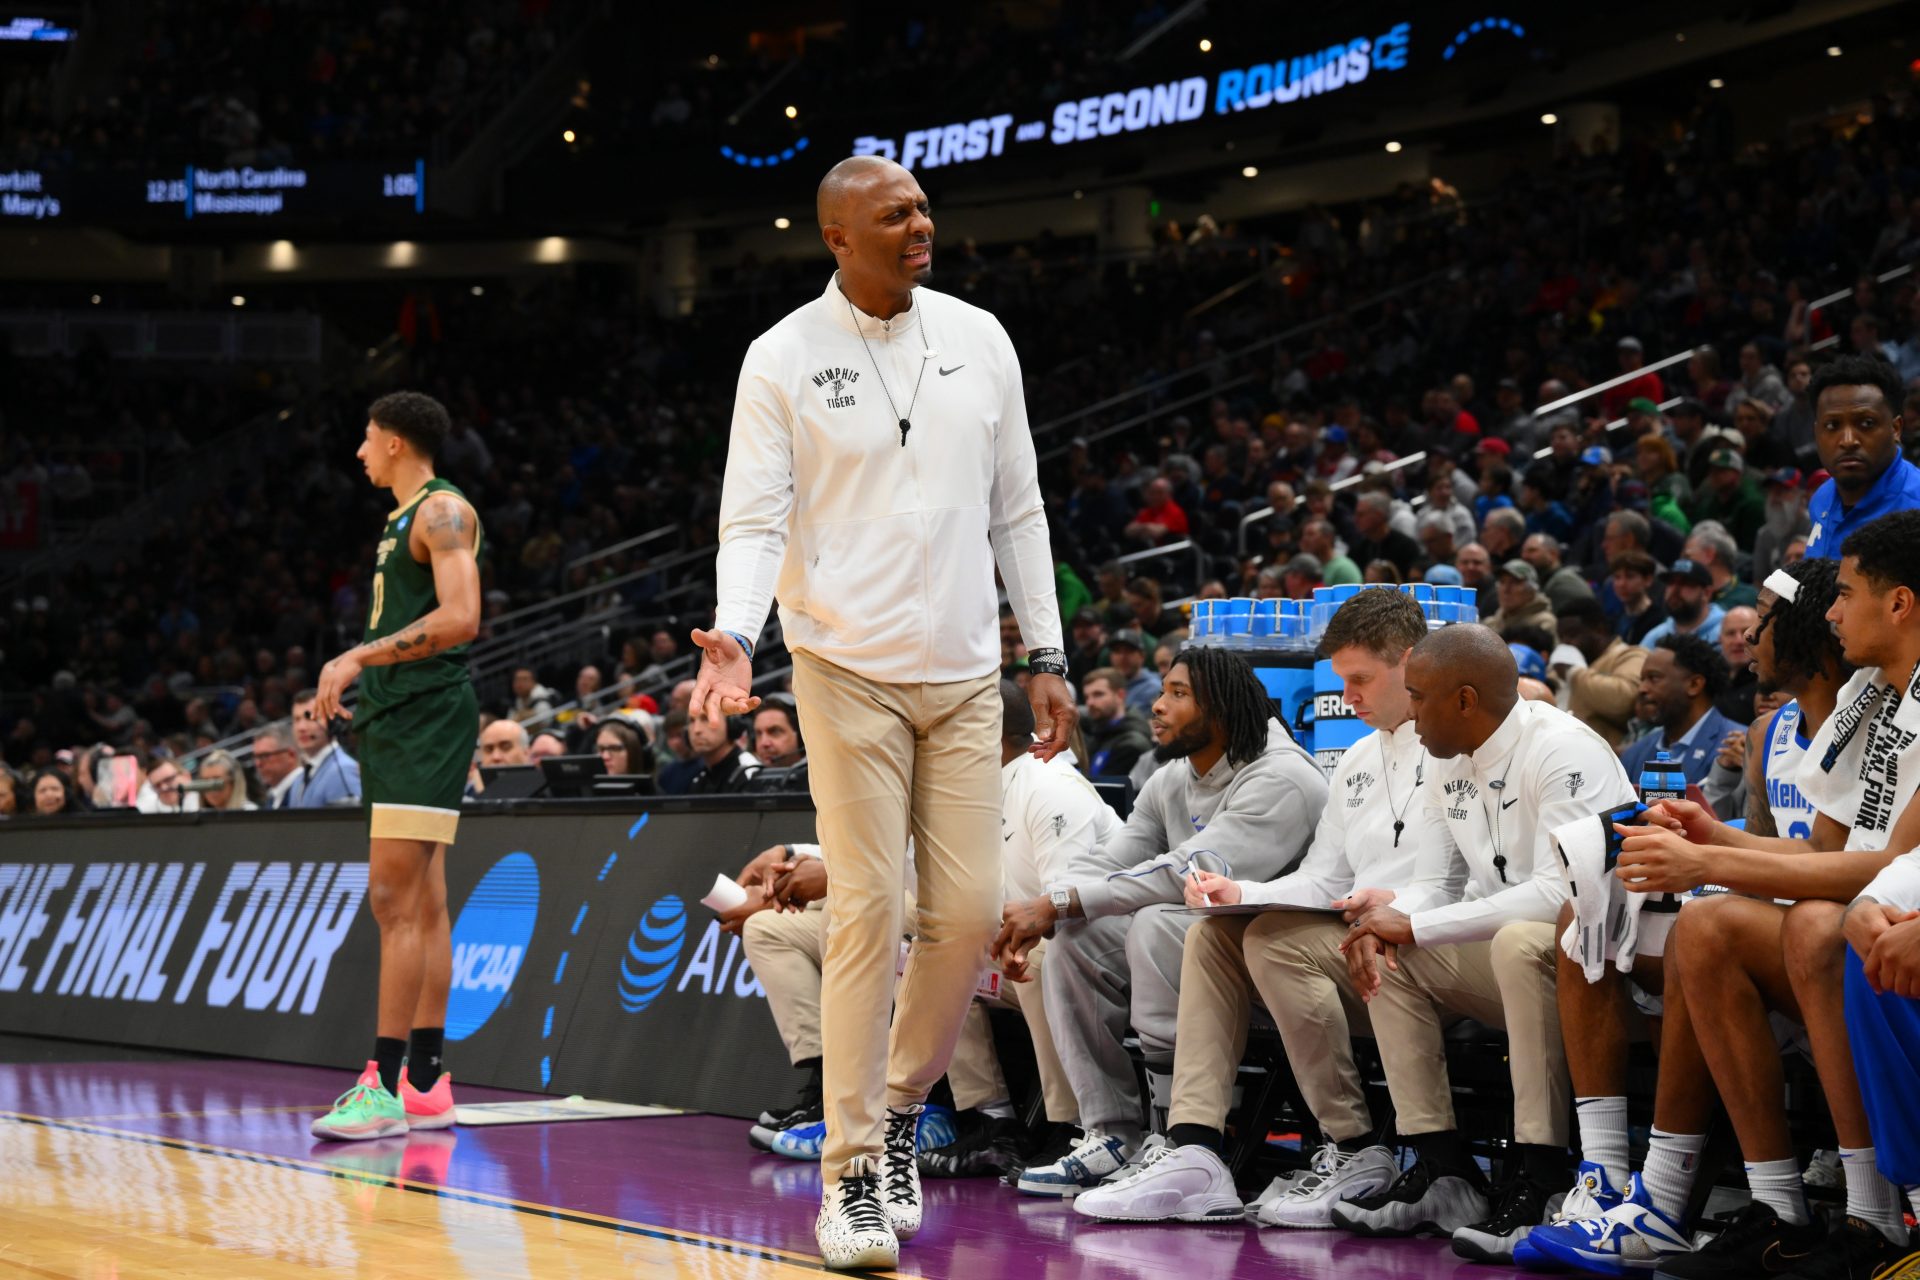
(880, 467)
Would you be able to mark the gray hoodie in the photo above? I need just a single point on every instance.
(1250, 822)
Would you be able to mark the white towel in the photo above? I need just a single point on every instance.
(1607, 922)
(1865, 759)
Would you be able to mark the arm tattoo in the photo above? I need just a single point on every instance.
(446, 525)
(409, 644)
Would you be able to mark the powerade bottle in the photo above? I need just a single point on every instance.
(1662, 779)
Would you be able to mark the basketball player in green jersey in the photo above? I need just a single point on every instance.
(416, 721)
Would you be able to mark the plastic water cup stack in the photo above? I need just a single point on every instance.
(1292, 624)
(1264, 629)
(1239, 622)
(1200, 627)
(1324, 609)
(1427, 596)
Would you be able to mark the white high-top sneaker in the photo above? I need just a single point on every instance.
(900, 1171)
(852, 1230)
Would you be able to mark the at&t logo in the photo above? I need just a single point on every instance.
(654, 950)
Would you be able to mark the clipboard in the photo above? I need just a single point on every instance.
(1260, 908)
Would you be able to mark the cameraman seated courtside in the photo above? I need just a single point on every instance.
(1237, 795)
(1050, 817)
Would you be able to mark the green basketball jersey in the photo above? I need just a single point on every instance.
(403, 594)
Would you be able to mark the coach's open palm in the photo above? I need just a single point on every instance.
(724, 686)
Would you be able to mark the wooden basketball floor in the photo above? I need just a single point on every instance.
(116, 1165)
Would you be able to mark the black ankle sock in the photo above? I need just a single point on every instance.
(1352, 1146)
(387, 1053)
(423, 1056)
(1445, 1151)
(1544, 1165)
(1196, 1135)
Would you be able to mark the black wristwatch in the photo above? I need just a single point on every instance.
(1047, 662)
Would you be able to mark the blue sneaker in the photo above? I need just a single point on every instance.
(936, 1129)
(1592, 1195)
(1097, 1158)
(802, 1142)
(1630, 1236)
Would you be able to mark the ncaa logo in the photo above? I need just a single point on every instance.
(489, 939)
(652, 952)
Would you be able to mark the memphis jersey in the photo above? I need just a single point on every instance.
(1786, 746)
(403, 593)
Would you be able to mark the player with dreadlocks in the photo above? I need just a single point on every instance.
(1238, 796)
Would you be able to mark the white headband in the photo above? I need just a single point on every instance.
(1784, 585)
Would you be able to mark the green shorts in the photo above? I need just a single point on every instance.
(414, 759)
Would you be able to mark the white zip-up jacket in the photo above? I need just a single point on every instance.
(1489, 860)
(1050, 816)
(1355, 845)
(882, 553)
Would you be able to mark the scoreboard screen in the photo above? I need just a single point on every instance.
(227, 195)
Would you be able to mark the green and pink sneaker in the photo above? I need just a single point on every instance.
(432, 1109)
(365, 1111)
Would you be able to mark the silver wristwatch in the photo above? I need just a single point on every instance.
(1061, 900)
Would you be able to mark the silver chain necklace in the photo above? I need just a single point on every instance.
(920, 331)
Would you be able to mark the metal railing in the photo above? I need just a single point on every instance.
(237, 449)
(1819, 304)
(1172, 549)
(1223, 360)
(608, 552)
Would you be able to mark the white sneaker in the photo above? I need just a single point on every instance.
(1097, 1158)
(1178, 1184)
(1336, 1175)
(1275, 1189)
(900, 1172)
(852, 1229)
(1823, 1171)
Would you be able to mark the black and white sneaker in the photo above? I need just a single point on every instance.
(1050, 1142)
(1519, 1205)
(1420, 1201)
(900, 1171)
(1753, 1242)
(987, 1146)
(807, 1104)
(852, 1229)
(760, 1137)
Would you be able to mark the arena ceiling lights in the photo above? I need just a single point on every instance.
(1486, 26)
(766, 161)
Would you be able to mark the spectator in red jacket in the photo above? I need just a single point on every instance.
(1161, 518)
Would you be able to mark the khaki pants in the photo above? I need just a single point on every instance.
(1508, 983)
(1293, 960)
(784, 948)
(974, 1073)
(888, 761)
